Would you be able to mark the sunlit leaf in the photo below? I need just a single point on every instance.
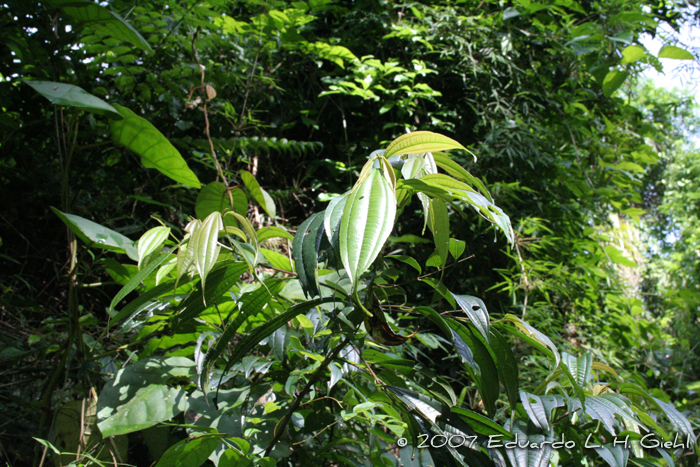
(212, 197)
(73, 96)
(676, 53)
(97, 236)
(421, 141)
(151, 241)
(261, 196)
(477, 313)
(368, 218)
(204, 243)
(190, 452)
(156, 151)
(613, 80)
(102, 21)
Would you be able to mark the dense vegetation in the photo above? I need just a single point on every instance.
(211, 247)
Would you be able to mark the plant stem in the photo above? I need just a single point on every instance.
(279, 428)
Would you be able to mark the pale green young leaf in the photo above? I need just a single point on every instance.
(151, 241)
(95, 235)
(205, 244)
(676, 53)
(262, 197)
(267, 233)
(277, 260)
(137, 134)
(332, 216)
(165, 270)
(632, 53)
(421, 141)
(456, 247)
(367, 221)
(73, 96)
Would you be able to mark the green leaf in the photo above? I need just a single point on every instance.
(455, 170)
(73, 96)
(368, 218)
(439, 224)
(481, 424)
(457, 247)
(332, 216)
(419, 142)
(95, 235)
(211, 198)
(632, 53)
(617, 257)
(190, 452)
(506, 365)
(614, 455)
(613, 80)
(676, 418)
(676, 53)
(580, 368)
(139, 396)
(151, 241)
(476, 311)
(407, 260)
(535, 337)
(261, 196)
(266, 233)
(253, 338)
(487, 381)
(137, 279)
(539, 408)
(277, 260)
(305, 249)
(205, 244)
(102, 21)
(137, 134)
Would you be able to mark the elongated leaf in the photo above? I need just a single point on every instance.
(95, 235)
(439, 223)
(73, 96)
(156, 152)
(190, 452)
(261, 196)
(332, 216)
(506, 365)
(535, 336)
(221, 279)
(677, 419)
(477, 313)
(539, 408)
(251, 304)
(277, 260)
(151, 241)
(266, 233)
(532, 449)
(139, 397)
(455, 170)
(407, 260)
(137, 279)
(252, 339)
(676, 53)
(487, 382)
(102, 21)
(482, 425)
(368, 218)
(205, 244)
(614, 455)
(211, 198)
(421, 141)
(580, 368)
(305, 249)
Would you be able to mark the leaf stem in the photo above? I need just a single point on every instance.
(279, 428)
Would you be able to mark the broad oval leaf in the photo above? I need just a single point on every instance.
(102, 21)
(74, 96)
(613, 80)
(94, 234)
(190, 452)
(368, 218)
(211, 198)
(676, 53)
(261, 196)
(151, 241)
(156, 152)
(139, 397)
(421, 141)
